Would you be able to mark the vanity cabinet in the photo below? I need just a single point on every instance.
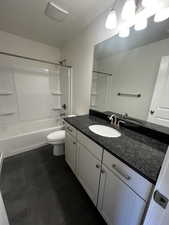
(89, 156)
(117, 203)
(122, 194)
(71, 147)
(119, 193)
(88, 172)
(70, 151)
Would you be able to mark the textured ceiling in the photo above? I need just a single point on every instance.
(27, 19)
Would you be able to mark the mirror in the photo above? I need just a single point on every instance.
(130, 75)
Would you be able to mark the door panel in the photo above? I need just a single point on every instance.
(159, 110)
(70, 152)
(117, 203)
(88, 172)
(157, 215)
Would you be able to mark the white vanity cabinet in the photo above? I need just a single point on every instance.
(89, 156)
(88, 172)
(119, 193)
(70, 147)
(118, 202)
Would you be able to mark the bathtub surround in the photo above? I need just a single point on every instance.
(31, 98)
(31, 94)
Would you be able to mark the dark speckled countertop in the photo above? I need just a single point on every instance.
(143, 154)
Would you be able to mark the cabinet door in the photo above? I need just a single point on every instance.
(88, 172)
(117, 203)
(70, 151)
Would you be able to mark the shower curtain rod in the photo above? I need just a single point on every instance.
(34, 59)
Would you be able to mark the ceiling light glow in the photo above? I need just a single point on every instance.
(153, 4)
(129, 9)
(161, 15)
(140, 23)
(124, 32)
(111, 21)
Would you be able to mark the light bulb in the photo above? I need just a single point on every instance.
(129, 9)
(140, 23)
(124, 32)
(111, 21)
(161, 15)
(153, 4)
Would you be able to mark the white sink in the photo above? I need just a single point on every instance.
(104, 131)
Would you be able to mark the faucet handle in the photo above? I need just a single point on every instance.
(111, 117)
(124, 115)
(120, 121)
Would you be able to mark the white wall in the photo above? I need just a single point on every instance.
(79, 53)
(18, 45)
(133, 71)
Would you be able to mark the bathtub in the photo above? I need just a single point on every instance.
(26, 138)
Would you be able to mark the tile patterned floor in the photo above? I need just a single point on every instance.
(40, 189)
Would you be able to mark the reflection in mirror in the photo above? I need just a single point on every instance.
(131, 74)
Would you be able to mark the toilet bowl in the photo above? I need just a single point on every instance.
(57, 139)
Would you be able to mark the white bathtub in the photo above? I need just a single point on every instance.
(26, 138)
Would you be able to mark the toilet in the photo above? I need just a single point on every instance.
(57, 139)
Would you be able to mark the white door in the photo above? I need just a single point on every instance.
(70, 151)
(158, 211)
(117, 203)
(159, 110)
(88, 172)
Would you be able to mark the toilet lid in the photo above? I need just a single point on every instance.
(56, 135)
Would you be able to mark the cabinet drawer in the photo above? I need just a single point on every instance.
(92, 147)
(135, 181)
(71, 130)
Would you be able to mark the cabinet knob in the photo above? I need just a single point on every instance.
(97, 166)
(102, 171)
(74, 143)
(152, 112)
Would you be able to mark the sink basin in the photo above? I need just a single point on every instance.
(104, 131)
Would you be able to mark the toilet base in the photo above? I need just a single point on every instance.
(59, 149)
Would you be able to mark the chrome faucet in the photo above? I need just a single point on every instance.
(115, 121)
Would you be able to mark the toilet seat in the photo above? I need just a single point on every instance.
(56, 137)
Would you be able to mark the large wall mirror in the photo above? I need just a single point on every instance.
(131, 74)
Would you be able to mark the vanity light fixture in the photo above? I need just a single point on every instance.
(150, 4)
(161, 15)
(129, 10)
(111, 21)
(134, 15)
(124, 31)
(140, 22)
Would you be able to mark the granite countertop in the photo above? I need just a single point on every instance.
(143, 154)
